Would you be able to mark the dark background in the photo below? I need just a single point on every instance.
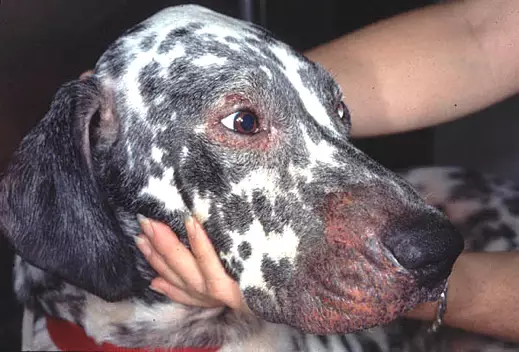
(46, 43)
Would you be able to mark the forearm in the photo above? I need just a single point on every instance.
(427, 66)
(483, 295)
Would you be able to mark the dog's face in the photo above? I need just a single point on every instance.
(192, 112)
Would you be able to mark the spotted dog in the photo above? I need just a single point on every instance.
(195, 113)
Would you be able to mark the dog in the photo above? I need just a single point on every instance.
(195, 113)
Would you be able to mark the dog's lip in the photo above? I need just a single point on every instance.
(338, 303)
(327, 312)
(428, 294)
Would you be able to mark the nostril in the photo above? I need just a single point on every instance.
(417, 250)
(425, 241)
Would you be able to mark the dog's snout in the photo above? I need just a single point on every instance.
(428, 245)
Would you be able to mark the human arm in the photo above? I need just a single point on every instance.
(427, 66)
(483, 295)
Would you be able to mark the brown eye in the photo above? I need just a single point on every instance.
(244, 122)
(342, 111)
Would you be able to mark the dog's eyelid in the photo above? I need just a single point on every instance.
(242, 122)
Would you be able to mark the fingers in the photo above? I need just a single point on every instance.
(208, 261)
(194, 277)
(158, 263)
(174, 256)
(218, 283)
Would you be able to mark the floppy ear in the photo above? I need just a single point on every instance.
(51, 208)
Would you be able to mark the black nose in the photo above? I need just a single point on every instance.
(427, 245)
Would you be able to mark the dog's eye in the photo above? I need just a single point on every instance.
(342, 111)
(242, 122)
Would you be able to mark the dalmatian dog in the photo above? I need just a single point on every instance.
(195, 113)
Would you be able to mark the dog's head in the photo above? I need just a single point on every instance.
(192, 112)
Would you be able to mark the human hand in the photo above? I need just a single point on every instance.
(194, 277)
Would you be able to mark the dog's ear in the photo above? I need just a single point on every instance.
(51, 208)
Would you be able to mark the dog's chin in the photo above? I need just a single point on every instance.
(333, 302)
(316, 310)
(431, 294)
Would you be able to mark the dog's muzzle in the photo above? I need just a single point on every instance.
(376, 261)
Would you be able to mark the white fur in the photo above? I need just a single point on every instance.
(309, 99)
(164, 190)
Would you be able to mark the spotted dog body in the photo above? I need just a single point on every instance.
(195, 113)
(485, 208)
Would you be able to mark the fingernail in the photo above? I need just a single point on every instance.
(157, 289)
(143, 245)
(197, 228)
(190, 227)
(145, 225)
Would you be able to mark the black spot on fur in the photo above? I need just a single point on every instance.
(238, 213)
(147, 43)
(233, 269)
(245, 250)
(369, 345)
(297, 344)
(481, 217)
(252, 41)
(221, 241)
(116, 58)
(175, 35)
(237, 268)
(507, 232)
(167, 44)
(472, 185)
(276, 274)
(180, 32)
(264, 212)
(260, 301)
(512, 204)
(323, 339)
(156, 170)
(230, 39)
(204, 171)
(345, 343)
(123, 330)
(489, 234)
(498, 181)
(150, 82)
(179, 184)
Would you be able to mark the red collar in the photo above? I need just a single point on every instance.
(68, 336)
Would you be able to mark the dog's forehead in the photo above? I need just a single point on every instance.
(197, 45)
(204, 20)
(206, 37)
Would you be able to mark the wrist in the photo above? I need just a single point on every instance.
(424, 311)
